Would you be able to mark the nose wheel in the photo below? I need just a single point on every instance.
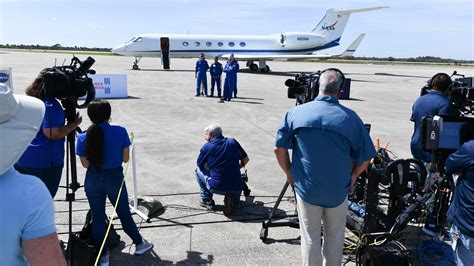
(135, 63)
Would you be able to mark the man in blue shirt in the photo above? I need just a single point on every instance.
(218, 169)
(461, 211)
(435, 102)
(27, 230)
(216, 72)
(331, 147)
(200, 75)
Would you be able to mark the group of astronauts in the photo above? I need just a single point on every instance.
(230, 83)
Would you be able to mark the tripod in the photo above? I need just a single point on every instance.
(71, 167)
(293, 223)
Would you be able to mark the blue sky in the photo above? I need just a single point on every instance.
(442, 28)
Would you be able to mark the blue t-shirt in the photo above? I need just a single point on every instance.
(327, 139)
(216, 69)
(461, 211)
(428, 105)
(43, 152)
(115, 138)
(26, 213)
(201, 67)
(222, 156)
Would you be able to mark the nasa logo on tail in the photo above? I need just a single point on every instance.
(331, 27)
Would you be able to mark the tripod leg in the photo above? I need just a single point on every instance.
(267, 223)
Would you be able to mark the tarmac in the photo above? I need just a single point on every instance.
(168, 122)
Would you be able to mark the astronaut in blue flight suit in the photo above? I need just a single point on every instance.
(230, 82)
(235, 83)
(200, 75)
(216, 72)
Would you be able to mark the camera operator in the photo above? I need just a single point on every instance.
(331, 148)
(461, 211)
(218, 169)
(435, 102)
(27, 229)
(44, 157)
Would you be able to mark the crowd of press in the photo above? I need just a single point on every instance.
(330, 149)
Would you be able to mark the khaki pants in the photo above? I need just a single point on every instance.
(334, 220)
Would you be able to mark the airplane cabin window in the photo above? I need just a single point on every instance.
(242, 44)
(185, 43)
(131, 40)
(197, 43)
(220, 44)
(231, 44)
(208, 43)
(139, 39)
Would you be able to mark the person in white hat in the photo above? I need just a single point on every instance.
(27, 229)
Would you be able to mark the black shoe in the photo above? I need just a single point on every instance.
(197, 95)
(202, 93)
(221, 100)
(210, 205)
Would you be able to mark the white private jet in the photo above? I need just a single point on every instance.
(249, 48)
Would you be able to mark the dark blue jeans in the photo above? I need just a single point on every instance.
(98, 185)
(206, 192)
(50, 176)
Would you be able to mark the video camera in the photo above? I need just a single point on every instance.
(461, 93)
(70, 82)
(304, 87)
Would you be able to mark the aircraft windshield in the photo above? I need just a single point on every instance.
(135, 39)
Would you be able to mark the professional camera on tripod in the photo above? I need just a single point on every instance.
(304, 87)
(68, 84)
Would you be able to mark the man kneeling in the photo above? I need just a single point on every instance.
(218, 169)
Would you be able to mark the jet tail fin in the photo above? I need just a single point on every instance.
(353, 46)
(332, 25)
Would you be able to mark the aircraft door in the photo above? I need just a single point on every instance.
(165, 52)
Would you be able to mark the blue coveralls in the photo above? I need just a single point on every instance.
(230, 79)
(235, 85)
(201, 69)
(216, 72)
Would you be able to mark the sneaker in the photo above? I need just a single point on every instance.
(228, 204)
(210, 204)
(104, 260)
(143, 247)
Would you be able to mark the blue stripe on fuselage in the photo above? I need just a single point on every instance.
(317, 48)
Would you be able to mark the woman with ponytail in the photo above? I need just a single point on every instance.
(102, 149)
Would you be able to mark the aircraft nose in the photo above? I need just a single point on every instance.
(120, 49)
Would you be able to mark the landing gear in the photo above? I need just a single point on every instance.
(253, 67)
(265, 69)
(135, 63)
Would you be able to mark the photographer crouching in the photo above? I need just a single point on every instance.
(461, 211)
(44, 157)
(218, 169)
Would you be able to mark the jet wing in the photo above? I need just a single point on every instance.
(255, 57)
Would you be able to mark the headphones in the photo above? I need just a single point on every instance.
(336, 70)
(430, 81)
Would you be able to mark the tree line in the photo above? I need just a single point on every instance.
(419, 59)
